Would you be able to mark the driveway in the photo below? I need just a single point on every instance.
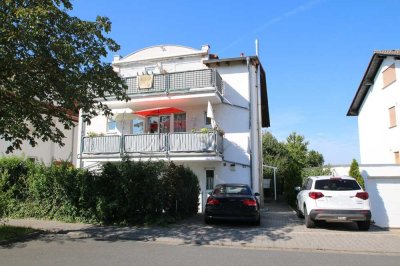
(280, 229)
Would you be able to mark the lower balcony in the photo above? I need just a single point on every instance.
(162, 144)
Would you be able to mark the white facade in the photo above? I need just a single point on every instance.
(47, 152)
(377, 105)
(379, 141)
(186, 79)
(382, 182)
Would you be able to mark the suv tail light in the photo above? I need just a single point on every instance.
(250, 202)
(315, 195)
(212, 201)
(362, 195)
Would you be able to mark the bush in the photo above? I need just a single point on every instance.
(123, 193)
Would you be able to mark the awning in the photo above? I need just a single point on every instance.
(158, 111)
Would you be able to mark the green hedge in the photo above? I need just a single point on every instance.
(122, 193)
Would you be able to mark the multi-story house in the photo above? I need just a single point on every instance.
(187, 106)
(377, 105)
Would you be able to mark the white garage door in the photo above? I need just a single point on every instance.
(385, 201)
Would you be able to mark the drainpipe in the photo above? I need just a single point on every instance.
(81, 135)
(250, 109)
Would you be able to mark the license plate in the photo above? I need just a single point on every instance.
(342, 218)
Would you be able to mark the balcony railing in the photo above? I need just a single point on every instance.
(178, 81)
(164, 143)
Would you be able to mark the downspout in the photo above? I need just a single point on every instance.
(81, 135)
(259, 142)
(250, 109)
(72, 146)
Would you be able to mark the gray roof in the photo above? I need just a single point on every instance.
(368, 79)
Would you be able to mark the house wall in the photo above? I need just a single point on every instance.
(239, 105)
(48, 151)
(382, 182)
(378, 141)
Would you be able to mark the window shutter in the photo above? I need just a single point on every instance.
(389, 75)
(392, 117)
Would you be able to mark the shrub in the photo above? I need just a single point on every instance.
(123, 193)
(181, 191)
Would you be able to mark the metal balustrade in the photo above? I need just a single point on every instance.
(178, 81)
(170, 143)
(101, 144)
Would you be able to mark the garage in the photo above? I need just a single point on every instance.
(385, 201)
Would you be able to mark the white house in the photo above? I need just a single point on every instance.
(48, 151)
(179, 95)
(377, 105)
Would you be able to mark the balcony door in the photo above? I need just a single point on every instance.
(165, 123)
(159, 124)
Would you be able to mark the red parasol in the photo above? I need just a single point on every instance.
(158, 111)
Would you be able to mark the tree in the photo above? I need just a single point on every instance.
(297, 147)
(292, 159)
(314, 159)
(355, 172)
(51, 64)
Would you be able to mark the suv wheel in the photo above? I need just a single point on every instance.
(309, 222)
(364, 225)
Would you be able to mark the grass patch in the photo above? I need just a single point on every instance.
(10, 232)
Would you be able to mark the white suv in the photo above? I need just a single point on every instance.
(328, 198)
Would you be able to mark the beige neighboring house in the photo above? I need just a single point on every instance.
(47, 152)
(377, 106)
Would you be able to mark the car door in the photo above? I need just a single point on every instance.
(301, 197)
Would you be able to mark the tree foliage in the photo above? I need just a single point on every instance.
(127, 192)
(50, 64)
(290, 158)
(355, 172)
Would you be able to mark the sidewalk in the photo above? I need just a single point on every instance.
(280, 229)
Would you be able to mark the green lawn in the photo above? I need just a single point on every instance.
(9, 232)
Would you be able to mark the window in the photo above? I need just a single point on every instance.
(207, 120)
(396, 157)
(111, 125)
(209, 179)
(180, 122)
(392, 117)
(389, 75)
(137, 126)
(336, 184)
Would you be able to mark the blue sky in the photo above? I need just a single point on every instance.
(314, 52)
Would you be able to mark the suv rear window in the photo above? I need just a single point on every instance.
(337, 184)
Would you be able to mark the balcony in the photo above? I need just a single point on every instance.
(177, 82)
(139, 145)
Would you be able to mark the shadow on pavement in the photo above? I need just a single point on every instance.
(278, 223)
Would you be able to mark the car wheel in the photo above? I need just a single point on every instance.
(298, 212)
(309, 222)
(363, 225)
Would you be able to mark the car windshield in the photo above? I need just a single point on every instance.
(337, 184)
(239, 190)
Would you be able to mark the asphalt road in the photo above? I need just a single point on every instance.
(62, 250)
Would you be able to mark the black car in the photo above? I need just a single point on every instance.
(232, 202)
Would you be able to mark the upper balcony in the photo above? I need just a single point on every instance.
(193, 81)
